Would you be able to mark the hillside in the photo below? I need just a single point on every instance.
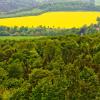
(13, 8)
(97, 2)
(13, 5)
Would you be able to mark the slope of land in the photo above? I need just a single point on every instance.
(29, 7)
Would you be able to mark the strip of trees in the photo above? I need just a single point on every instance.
(46, 31)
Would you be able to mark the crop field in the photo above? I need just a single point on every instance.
(53, 19)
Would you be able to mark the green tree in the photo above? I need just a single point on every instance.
(15, 70)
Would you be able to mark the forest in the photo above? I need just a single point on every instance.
(51, 68)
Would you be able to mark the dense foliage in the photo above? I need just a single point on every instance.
(51, 68)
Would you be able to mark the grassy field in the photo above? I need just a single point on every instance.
(53, 19)
(20, 37)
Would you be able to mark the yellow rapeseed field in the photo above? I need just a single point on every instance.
(53, 19)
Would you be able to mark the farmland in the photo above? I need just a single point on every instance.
(53, 19)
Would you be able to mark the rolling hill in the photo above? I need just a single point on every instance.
(13, 8)
(13, 5)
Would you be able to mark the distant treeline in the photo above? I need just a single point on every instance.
(46, 31)
(69, 6)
